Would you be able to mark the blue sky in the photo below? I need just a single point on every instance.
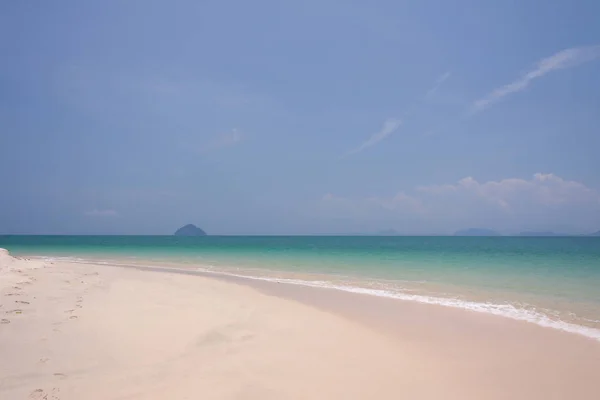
(282, 117)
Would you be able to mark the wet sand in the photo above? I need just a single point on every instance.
(77, 331)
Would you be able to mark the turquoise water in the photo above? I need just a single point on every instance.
(553, 281)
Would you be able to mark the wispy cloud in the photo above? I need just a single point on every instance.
(536, 203)
(101, 213)
(563, 59)
(440, 80)
(389, 126)
(225, 139)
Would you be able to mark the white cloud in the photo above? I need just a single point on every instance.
(542, 190)
(563, 59)
(390, 125)
(440, 80)
(225, 139)
(101, 213)
(545, 201)
(401, 201)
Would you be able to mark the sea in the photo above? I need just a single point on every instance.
(550, 281)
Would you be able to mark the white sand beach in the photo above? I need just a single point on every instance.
(78, 331)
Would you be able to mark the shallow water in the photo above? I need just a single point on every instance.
(551, 281)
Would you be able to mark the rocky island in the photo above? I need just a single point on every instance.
(189, 230)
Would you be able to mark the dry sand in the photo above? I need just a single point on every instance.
(76, 331)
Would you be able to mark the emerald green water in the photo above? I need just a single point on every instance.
(548, 277)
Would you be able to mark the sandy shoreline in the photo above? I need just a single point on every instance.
(77, 331)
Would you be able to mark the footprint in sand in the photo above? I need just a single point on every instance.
(41, 394)
(21, 302)
(60, 375)
(17, 311)
(44, 360)
(16, 292)
(5, 321)
(73, 317)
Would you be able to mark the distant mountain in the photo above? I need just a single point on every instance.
(533, 233)
(190, 230)
(476, 232)
(594, 234)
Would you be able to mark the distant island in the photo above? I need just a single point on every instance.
(190, 230)
(533, 233)
(489, 232)
(476, 232)
(546, 234)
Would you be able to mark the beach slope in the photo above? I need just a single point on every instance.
(77, 331)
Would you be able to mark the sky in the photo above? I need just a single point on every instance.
(299, 117)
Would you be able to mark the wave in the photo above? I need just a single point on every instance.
(65, 259)
(501, 310)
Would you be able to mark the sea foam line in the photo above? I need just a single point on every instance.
(501, 310)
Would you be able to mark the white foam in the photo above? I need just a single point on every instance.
(502, 310)
(65, 259)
